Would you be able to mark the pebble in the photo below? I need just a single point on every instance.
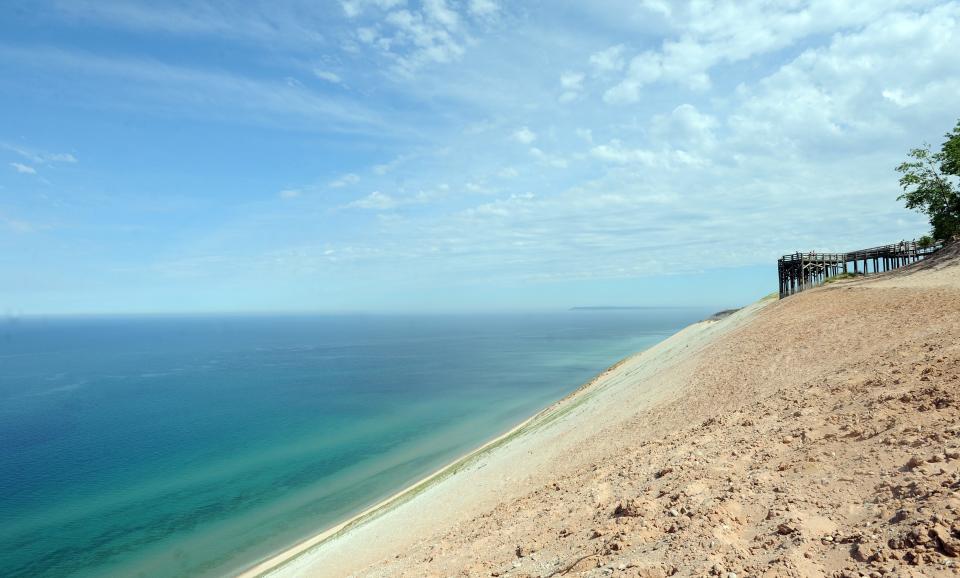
(914, 462)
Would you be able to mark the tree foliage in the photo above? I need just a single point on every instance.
(930, 184)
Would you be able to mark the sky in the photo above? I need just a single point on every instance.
(452, 155)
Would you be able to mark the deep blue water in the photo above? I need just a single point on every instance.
(195, 446)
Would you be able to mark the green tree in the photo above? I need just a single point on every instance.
(929, 181)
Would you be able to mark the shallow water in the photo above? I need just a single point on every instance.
(195, 446)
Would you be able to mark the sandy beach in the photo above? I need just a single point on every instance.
(811, 436)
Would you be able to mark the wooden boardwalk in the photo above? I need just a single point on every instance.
(799, 271)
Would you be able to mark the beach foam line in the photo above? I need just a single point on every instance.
(279, 561)
(275, 562)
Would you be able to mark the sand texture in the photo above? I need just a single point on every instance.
(817, 435)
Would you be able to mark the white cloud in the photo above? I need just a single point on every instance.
(19, 225)
(661, 7)
(818, 101)
(39, 157)
(414, 38)
(290, 193)
(366, 35)
(615, 152)
(376, 201)
(331, 77)
(478, 188)
(900, 98)
(438, 11)
(667, 158)
(351, 8)
(344, 180)
(509, 207)
(524, 135)
(720, 32)
(483, 8)
(608, 60)
(551, 160)
(60, 158)
(384, 168)
(354, 8)
(24, 169)
(572, 81)
(572, 84)
(685, 126)
(839, 93)
(685, 62)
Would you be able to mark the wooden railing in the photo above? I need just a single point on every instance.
(799, 271)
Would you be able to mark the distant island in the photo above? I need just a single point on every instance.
(622, 307)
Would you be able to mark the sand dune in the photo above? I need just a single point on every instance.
(812, 436)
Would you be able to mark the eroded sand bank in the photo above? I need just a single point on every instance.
(814, 435)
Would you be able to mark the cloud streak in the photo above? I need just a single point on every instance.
(23, 169)
(154, 86)
(435, 142)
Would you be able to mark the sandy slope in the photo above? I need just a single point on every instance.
(814, 435)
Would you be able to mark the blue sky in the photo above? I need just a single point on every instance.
(391, 155)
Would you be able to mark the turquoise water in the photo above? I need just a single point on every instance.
(196, 446)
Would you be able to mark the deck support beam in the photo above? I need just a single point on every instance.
(800, 271)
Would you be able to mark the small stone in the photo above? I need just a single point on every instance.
(626, 509)
(945, 540)
(784, 529)
(914, 462)
(663, 472)
(865, 552)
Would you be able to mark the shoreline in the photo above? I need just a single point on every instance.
(521, 458)
(809, 436)
(284, 557)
